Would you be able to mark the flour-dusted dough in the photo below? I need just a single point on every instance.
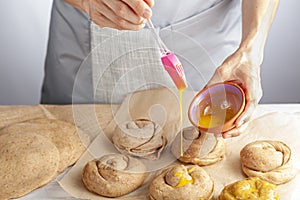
(269, 160)
(14, 114)
(113, 175)
(198, 148)
(141, 137)
(165, 185)
(27, 161)
(62, 134)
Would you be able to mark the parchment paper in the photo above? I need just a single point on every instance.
(161, 105)
(88, 118)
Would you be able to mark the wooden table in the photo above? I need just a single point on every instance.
(104, 114)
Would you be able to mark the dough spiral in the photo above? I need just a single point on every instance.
(141, 137)
(198, 148)
(113, 175)
(269, 160)
(178, 181)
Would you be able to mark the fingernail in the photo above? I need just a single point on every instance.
(147, 13)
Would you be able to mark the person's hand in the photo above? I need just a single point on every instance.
(239, 68)
(118, 14)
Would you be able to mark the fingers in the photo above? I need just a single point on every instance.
(121, 11)
(235, 131)
(242, 122)
(101, 20)
(150, 3)
(232, 133)
(115, 14)
(221, 75)
(140, 7)
(229, 134)
(246, 115)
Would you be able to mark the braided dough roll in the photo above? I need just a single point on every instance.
(198, 148)
(269, 160)
(141, 137)
(113, 175)
(178, 181)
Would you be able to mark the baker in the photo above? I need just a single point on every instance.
(101, 50)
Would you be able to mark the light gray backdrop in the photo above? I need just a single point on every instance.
(23, 40)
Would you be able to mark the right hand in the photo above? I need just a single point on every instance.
(118, 14)
(240, 68)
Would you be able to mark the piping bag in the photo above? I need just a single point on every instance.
(170, 61)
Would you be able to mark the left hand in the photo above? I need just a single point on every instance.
(239, 68)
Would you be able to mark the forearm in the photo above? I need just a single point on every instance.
(257, 17)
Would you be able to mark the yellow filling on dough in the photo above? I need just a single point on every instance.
(250, 188)
(183, 180)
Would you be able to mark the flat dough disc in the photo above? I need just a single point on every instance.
(27, 161)
(14, 114)
(62, 134)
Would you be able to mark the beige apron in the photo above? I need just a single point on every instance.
(127, 61)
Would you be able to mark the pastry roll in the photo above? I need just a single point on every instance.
(250, 188)
(269, 160)
(113, 175)
(141, 137)
(198, 148)
(178, 182)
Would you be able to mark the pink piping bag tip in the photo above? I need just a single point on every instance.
(174, 68)
(170, 61)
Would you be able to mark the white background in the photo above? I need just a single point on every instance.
(23, 41)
